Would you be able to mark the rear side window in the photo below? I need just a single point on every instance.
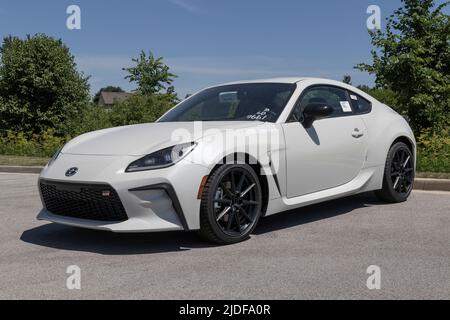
(359, 104)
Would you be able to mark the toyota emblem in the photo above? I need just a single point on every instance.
(71, 172)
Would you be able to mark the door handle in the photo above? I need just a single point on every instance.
(357, 134)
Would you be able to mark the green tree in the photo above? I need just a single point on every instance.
(140, 108)
(151, 74)
(412, 58)
(92, 118)
(40, 86)
(386, 96)
(106, 89)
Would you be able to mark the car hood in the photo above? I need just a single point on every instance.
(142, 139)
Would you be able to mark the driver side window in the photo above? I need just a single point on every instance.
(331, 96)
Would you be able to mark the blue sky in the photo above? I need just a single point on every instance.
(206, 42)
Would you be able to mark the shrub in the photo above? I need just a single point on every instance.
(136, 109)
(91, 118)
(434, 151)
(28, 144)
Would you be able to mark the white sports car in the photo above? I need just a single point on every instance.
(229, 155)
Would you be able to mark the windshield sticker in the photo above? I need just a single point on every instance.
(259, 116)
(228, 97)
(353, 97)
(346, 106)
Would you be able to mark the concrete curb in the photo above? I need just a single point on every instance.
(432, 184)
(419, 184)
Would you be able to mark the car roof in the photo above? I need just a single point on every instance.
(271, 80)
(291, 80)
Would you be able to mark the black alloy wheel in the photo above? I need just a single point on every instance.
(399, 174)
(231, 204)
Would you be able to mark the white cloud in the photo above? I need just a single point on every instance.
(197, 72)
(102, 62)
(251, 66)
(185, 5)
(209, 66)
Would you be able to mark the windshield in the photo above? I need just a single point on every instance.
(239, 102)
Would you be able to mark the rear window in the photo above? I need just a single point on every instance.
(360, 105)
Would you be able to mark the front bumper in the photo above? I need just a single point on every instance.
(156, 200)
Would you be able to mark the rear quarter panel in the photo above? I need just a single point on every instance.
(384, 126)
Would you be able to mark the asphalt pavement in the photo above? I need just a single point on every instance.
(317, 252)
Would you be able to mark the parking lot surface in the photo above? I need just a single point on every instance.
(317, 252)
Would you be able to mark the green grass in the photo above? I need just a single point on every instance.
(434, 164)
(22, 161)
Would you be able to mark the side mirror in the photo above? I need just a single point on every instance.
(315, 112)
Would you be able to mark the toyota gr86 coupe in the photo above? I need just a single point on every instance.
(229, 155)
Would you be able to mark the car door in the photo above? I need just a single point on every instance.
(331, 152)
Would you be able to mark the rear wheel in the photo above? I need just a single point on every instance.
(398, 174)
(231, 204)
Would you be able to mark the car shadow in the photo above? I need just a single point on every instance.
(57, 236)
(108, 243)
(313, 135)
(316, 212)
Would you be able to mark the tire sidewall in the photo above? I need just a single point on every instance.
(216, 179)
(388, 185)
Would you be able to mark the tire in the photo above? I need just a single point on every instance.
(226, 215)
(399, 174)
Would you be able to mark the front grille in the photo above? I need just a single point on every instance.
(85, 201)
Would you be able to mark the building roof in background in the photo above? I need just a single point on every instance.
(108, 98)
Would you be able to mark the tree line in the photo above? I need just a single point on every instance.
(41, 88)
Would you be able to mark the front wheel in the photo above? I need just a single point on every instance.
(231, 204)
(398, 177)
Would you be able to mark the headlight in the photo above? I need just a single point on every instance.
(163, 158)
(55, 156)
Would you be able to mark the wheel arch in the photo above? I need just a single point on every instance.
(245, 158)
(387, 192)
(409, 143)
(406, 141)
